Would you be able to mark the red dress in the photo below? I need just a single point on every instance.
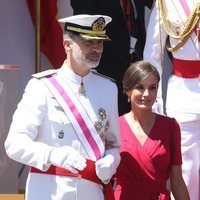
(144, 169)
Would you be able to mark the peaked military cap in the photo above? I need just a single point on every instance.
(87, 26)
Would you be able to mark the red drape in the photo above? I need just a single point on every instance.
(51, 40)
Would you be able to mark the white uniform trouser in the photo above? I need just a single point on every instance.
(190, 146)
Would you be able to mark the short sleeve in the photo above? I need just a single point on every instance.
(175, 143)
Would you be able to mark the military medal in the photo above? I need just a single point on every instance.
(102, 113)
(98, 125)
(102, 125)
(197, 30)
(177, 30)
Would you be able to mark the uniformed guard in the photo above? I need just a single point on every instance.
(66, 125)
(178, 20)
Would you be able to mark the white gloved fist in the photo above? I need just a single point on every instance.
(68, 158)
(106, 167)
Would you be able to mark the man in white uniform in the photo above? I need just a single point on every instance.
(66, 125)
(179, 19)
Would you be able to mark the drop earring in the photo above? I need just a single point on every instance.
(129, 99)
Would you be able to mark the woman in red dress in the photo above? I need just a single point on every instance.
(151, 149)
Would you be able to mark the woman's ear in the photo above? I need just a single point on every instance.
(128, 92)
(66, 44)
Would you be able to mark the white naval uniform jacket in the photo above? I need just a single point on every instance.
(36, 127)
(183, 95)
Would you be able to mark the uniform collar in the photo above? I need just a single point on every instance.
(68, 74)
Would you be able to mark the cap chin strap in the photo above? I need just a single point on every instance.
(80, 30)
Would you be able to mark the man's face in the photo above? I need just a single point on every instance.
(87, 52)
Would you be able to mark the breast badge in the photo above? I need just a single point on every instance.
(102, 124)
(61, 134)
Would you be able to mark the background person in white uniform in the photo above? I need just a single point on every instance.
(173, 18)
(66, 125)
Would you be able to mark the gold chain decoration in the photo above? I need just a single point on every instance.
(189, 26)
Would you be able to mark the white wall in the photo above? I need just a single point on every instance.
(17, 37)
(8, 100)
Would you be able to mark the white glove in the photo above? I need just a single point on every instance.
(68, 158)
(106, 167)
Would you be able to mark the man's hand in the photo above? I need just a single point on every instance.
(68, 158)
(106, 167)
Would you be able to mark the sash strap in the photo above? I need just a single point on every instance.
(78, 117)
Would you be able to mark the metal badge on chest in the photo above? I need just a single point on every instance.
(61, 134)
(102, 125)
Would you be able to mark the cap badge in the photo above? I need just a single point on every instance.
(99, 24)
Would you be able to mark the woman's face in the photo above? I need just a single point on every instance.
(144, 93)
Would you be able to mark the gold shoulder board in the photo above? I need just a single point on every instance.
(102, 75)
(44, 73)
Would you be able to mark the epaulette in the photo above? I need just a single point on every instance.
(44, 73)
(102, 75)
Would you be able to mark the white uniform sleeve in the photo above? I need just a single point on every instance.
(20, 144)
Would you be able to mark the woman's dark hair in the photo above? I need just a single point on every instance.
(136, 72)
